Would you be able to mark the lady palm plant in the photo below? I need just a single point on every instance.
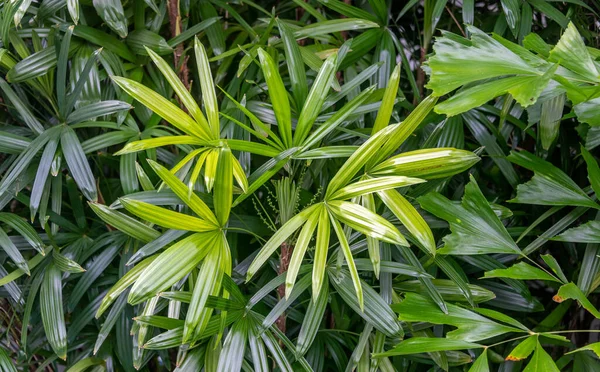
(289, 185)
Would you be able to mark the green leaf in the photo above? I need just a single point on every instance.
(410, 218)
(524, 89)
(26, 230)
(321, 248)
(330, 26)
(73, 8)
(376, 311)
(111, 12)
(481, 364)
(162, 107)
(304, 238)
(65, 264)
(51, 309)
(122, 284)
(207, 85)
(6, 363)
(552, 111)
(181, 190)
(124, 223)
(315, 100)
(230, 358)
(475, 227)
(345, 247)
(102, 39)
(593, 170)
(366, 222)
(333, 122)
(541, 361)
(570, 52)
(523, 349)
(295, 64)
(373, 185)
(171, 265)
(387, 103)
(78, 164)
(512, 12)
(182, 92)
(223, 185)
(166, 217)
(571, 291)
(139, 40)
(449, 290)
(595, 347)
(586, 233)
(30, 120)
(470, 326)
(312, 321)
(521, 271)
(13, 252)
(553, 264)
(549, 185)
(587, 112)
(417, 345)
(427, 163)
(207, 282)
(94, 110)
(456, 59)
(278, 95)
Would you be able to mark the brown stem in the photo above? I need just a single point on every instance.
(175, 28)
(284, 263)
(421, 73)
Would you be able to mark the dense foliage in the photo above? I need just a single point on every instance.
(299, 185)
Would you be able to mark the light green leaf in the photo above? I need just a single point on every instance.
(300, 249)
(595, 347)
(316, 98)
(481, 364)
(366, 222)
(372, 185)
(166, 217)
(521, 271)
(470, 325)
(523, 349)
(475, 227)
(427, 163)
(570, 52)
(387, 103)
(549, 185)
(223, 192)
(418, 345)
(410, 218)
(321, 248)
(278, 95)
(162, 107)
(181, 190)
(175, 82)
(171, 265)
(459, 61)
(541, 361)
(207, 85)
(571, 291)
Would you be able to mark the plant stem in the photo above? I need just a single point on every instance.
(284, 263)
(175, 28)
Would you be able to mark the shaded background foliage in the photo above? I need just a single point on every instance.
(281, 96)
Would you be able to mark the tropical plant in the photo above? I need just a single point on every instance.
(289, 185)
